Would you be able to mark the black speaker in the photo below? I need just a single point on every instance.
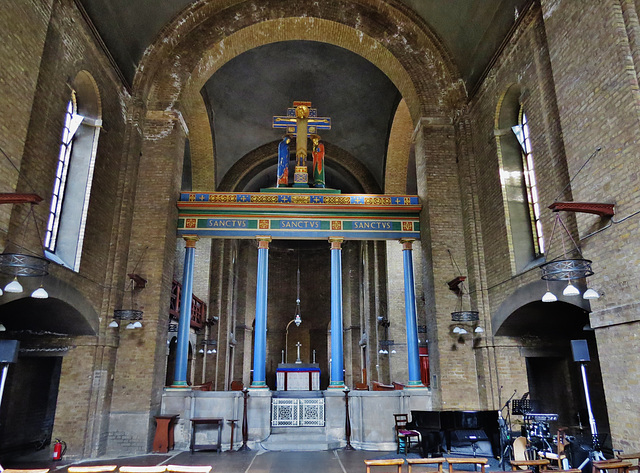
(9, 351)
(580, 350)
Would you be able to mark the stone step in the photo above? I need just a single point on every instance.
(307, 439)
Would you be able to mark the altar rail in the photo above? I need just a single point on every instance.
(297, 412)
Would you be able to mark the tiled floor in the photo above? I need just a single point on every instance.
(261, 461)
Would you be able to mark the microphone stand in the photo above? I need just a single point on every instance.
(505, 438)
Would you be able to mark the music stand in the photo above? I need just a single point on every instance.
(521, 406)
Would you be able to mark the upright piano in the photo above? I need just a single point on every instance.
(443, 431)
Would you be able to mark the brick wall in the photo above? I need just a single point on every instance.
(25, 28)
(596, 71)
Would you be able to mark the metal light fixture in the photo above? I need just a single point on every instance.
(208, 347)
(23, 265)
(297, 318)
(566, 268)
(457, 286)
(134, 316)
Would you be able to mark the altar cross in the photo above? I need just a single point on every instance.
(290, 123)
(302, 120)
(298, 345)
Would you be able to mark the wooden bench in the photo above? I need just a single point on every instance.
(609, 465)
(391, 462)
(482, 462)
(427, 462)
(631, 457)
(92, 469)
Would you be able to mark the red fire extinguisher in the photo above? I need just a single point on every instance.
(59, 449)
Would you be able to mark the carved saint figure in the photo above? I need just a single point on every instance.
(283, 162)
(318, 162)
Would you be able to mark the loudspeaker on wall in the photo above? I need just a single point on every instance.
(580, 350)
(9, 351)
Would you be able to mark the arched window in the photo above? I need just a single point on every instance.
(74, 173)
(521, 130)
(518, 180)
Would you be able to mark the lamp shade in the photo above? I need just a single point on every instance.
(14, 287)
(590, 294)
(570, 290)
(113, 324)
(549, 297)
(40, 293)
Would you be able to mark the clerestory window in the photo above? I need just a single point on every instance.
(518, 180)
(521, 130)
(69, 205)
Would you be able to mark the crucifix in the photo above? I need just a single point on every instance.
(298, 345)
(302, 120)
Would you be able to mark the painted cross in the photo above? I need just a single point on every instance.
(290, 122)
(302, 120)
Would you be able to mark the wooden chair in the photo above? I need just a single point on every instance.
(404, 436)
(479, 461)
(189, 468)
(559, 456)
(391, 462)
(428, 463)
(92, 468)
(520, 452)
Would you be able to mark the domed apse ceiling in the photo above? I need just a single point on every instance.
(249, 90)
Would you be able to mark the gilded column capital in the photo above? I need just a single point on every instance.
(190, 240)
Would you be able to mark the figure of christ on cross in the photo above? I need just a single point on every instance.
(302, 120)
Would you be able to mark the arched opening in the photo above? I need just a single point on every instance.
(554, 380)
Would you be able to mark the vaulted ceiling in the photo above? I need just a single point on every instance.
(247, 91)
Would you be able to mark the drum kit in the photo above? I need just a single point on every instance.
(536, 430)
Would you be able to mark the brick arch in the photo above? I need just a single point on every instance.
(388, 34)
(266, 155)
(210, 33)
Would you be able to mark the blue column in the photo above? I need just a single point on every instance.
(337, 362)
(260, 338)
(182, 350)
(411, 317)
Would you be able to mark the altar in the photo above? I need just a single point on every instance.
(298, 377)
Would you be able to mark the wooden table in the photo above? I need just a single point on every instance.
(163, 440)
(217, 421)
